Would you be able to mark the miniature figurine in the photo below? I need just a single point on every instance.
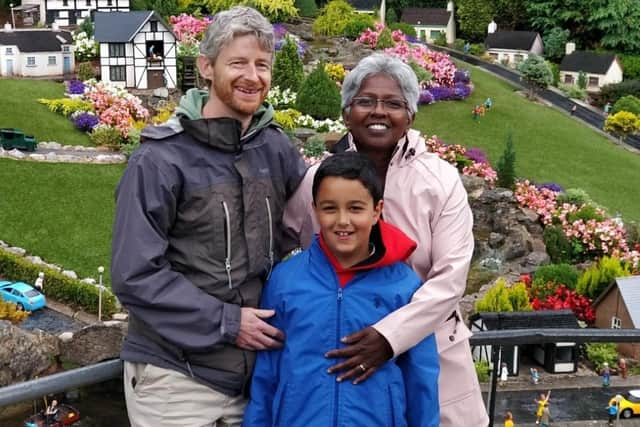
(622, 365)
(488, 103)
(607, 109)
(504, 373)
(535, 377)
(574, 109)
(39, 284)
(545, 418)
(508, 419)
(51, 412)
(542, 402)
(606, 375)
(612, 410)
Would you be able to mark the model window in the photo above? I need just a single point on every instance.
(9, 51)
(593, 81)
(88, 3)
(51, 60)
(434, 34)
(568, 79)
(65, 2)
(616, 323)
(154, 26)
(109, 2)
(117, 73)
(116, 50)
(31, 61)
(65, 48)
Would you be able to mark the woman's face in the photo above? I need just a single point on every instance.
(378, 128)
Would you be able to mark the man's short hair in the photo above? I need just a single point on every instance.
(235, 22)
(349, 165)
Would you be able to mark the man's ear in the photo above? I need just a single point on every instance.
(205, 67)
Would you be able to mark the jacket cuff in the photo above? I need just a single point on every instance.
(230, 324)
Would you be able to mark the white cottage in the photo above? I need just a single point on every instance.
(429, 23)
(35, 52)
(600, 68)
(137, 49)
(72, 12)
(512, 47)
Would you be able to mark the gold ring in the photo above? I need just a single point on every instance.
(362, 367)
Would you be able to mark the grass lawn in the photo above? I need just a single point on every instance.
(20, 109)
(60, 212)
(550, 145)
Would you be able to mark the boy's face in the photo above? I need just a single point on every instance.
(345, 211)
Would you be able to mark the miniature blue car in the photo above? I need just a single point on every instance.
(23, 295)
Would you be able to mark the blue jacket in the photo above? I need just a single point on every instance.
(291, 387)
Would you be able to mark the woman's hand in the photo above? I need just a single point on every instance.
(366, 352)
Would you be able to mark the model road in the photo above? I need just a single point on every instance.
(571, 404)
(588, 116)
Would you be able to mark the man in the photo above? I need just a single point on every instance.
(197, 231)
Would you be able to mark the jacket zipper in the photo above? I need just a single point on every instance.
(227, 259)
(266, 200)
(337, 384)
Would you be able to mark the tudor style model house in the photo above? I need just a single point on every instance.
(71, 12)
(35, 52)
(137, 49)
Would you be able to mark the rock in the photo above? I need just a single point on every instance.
(70, 273)
(533, 261)
(34, 260)
(16, 154)
(24, 355)
(120, 316)
(495, 239)
(65, 336)
(89, 280)
(94, 343)
(161, 92)
(37, 157)
(17, 251)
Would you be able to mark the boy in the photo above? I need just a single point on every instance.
(351, 276)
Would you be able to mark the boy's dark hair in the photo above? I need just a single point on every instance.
(349, 165)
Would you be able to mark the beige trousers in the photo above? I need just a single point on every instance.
(167, 398)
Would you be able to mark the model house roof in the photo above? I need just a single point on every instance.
(589, 62)
(425, 16)
(629, 288)
(512, 40)
(36, 40)
(121, 27)
(554, 319)
(364, 4)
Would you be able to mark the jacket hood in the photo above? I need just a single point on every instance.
(391, 246)
(223, 133)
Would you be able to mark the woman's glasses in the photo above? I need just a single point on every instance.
(368, 103)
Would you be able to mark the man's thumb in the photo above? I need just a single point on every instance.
(264, 314)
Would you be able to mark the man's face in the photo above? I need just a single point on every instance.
(241, 77)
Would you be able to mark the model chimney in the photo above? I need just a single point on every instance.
(55, 26)
(569, 48)
(492, 27)
(7, 27)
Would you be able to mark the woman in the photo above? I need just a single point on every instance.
(424, 197)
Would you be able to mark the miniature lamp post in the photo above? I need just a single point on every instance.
(618, 399)
(13, 18)
(100, 289)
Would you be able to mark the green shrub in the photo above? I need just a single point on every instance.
(482, 370)
(9, 311)
(287, 67)
(582, 80)
(564, 274)
(575, 196)
(319, 96)
(631, 66)
(558, 246)
(407, 29)
(334, 18)
(477, 49)
(106, 136)
(57, 285)
(585, 213)
(385, 40)
(555, 70)
(67, 106)
(612, 92)
(502, 298)
(458, 44)
(506, 167)
(314, 146)
(595, 279)
(599, 353)
(287, 118)
(422, 74)
(391, 17)
(358, 24)
(441, 39)
(84, 71)
(573, 91)
(628, 103)
(307, 8)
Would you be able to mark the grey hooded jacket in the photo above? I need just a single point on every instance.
(198, 227)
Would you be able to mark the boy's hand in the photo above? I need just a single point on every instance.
(255, 333)
(368, 350)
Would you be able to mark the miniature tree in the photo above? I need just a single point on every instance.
(385, 40)
(503, 298)
(627, 103)
(307, 8)
(582, 80)
(622, 124)
(287, 67)
(536, 73)
(334, 18)
(506, 167)
(319, 96)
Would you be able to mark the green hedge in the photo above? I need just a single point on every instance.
(56, 285)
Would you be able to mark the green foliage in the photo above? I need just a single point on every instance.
(307, 8)
(558, 246)
(385, 40)
(600, 352)
(631, 66)
(333, 18)
(561, 274)
(594, 280)
(67, 106)
(273, 10)
(358, 24)
(506, 167)
(319, 96)
(85, 71)
(585, 213)
(477, 49)
(482, 371)
(510, 14)
(555, 41)
(314, 146)
(612, 92)
(9, 311)
(474, 16)
(622, 124)
(57, 285)
(572, 15)
(582, 80)
(287, 118)
(628, 103)
(573, 91)
(86, 26)
(164, 8)
(106, 136)
(458, 44)
(441, 39)
(287, 67)
(575, 196)
(617, 21)
(407, 29)
(555, 70)
(422, 74)
(503, 298)
(536, 72)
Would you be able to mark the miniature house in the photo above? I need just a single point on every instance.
(599, 68)
(137, 49)
(618, 307)
(429, 23)
(72, 12)
(35, 52)
(512, 47)
(559, 357)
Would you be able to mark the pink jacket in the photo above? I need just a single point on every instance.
(425, 198)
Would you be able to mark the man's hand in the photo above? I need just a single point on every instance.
(255, 333)
(368, 350)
